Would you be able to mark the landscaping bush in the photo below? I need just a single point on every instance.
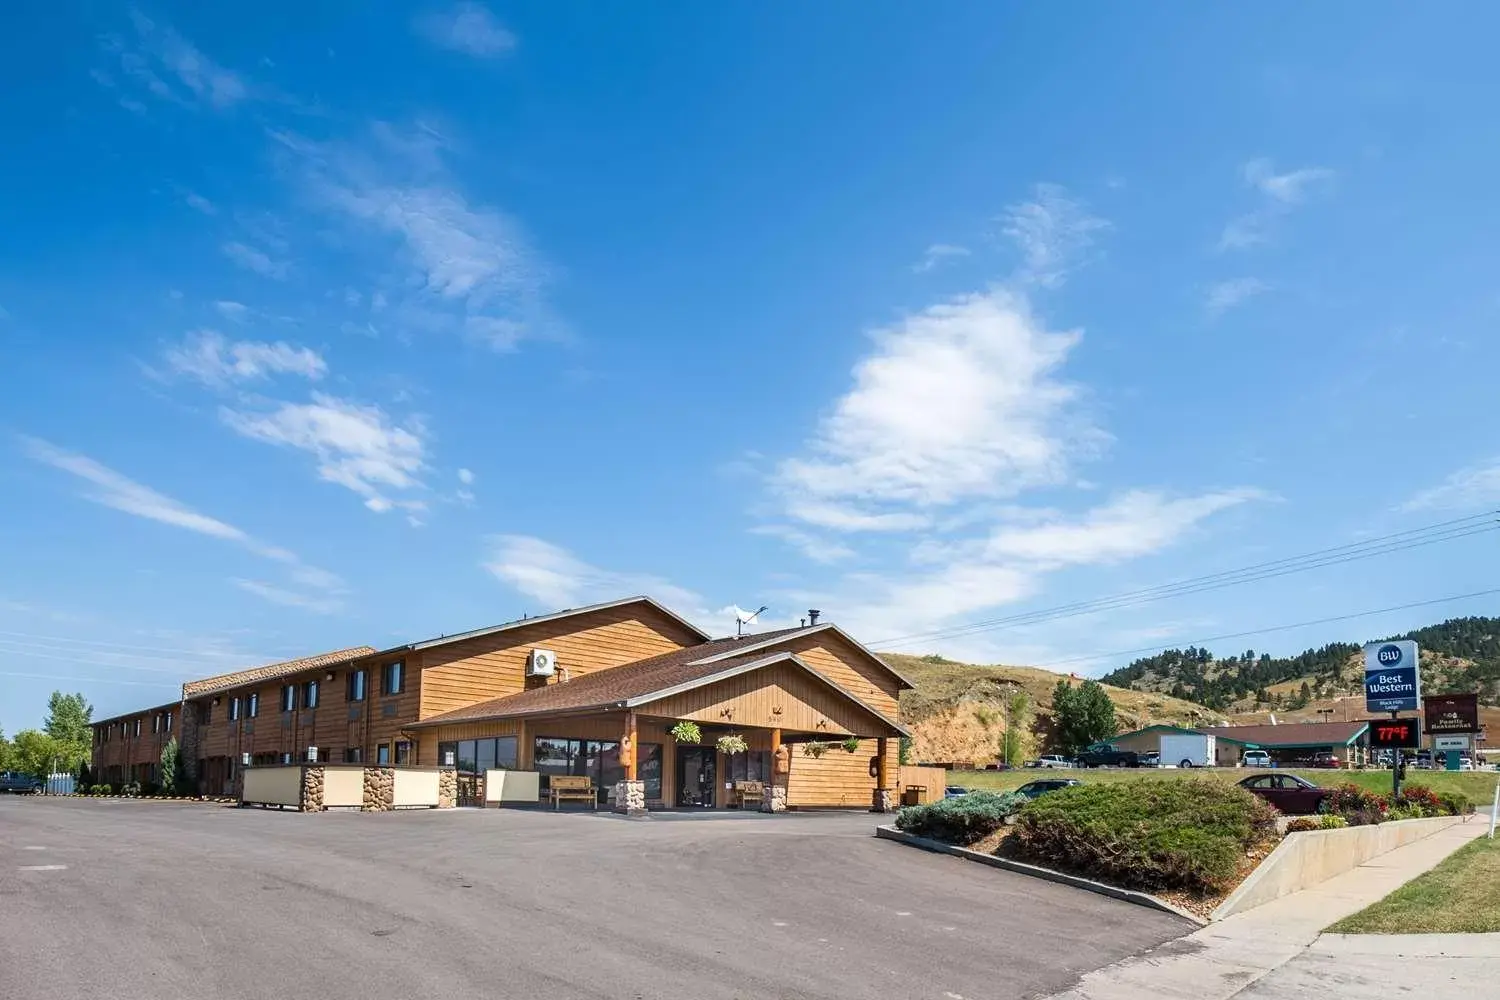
(1418, 801)
(131, 789)
(1332, 822)
(1455, 804)
(964, 820)
(1358, 806)
(1147, 833)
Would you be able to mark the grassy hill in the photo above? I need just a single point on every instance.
(958, 710)
(1461, 654)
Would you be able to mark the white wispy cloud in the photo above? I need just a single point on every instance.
(199, 203)
(1472, 488)
(1279, 194)
(255, 260)
(1053, 231)
(469, 267)
(235, 311)
(1223, 296)
(119, 492)
(559, 579)
(465, 476)
(961, 400)
(814, 547)
(316, 603)
(358, 447)
(936, 254)
(162, 63)
(469, 28)
(213, 359)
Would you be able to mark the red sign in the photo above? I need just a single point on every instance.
(1395, 734)
(1448, 714)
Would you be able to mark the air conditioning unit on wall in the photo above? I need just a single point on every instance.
(541, 663)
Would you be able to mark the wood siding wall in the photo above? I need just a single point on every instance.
(781, 695)
(838, 778)
(493, 666)
(112, 759)
(850, 669)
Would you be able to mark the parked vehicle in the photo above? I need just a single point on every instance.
(1152, 759)
(1051, 760)
(1034, 789)
(1325, 759)
(1288, 793)
(1189, 749)
(955, 792)
(15, 781)
(1255, 758)
(1108, 755)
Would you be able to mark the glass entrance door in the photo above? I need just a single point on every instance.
(695, 776)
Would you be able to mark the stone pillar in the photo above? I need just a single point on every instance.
(380, 789)
(630, 798)
(187, 746)
(882, 800)
(448, 788)
(773, 799)
(312, 789)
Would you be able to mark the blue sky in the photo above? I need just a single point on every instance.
(352, 324)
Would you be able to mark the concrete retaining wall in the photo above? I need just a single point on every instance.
(511, 786)
(415, 788)
(272, 786)
(343, 787)
(1305, 859)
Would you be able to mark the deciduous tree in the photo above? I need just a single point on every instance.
(1082, 715)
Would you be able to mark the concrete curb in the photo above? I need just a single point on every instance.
(1036, 871)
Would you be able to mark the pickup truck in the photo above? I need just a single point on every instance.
(1106, 755)
(15, 781)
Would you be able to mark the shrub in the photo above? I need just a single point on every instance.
(1455, 804)
(1355, 804)
(1332, 822)
(1416, 802)
(961, 820)
(1400, 812)
(1147, 833)
(132, 789)
(1302, 824)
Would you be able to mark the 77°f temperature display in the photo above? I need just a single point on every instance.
(1395, 734)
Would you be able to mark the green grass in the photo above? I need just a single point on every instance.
(1460, 896)
(1477, 785)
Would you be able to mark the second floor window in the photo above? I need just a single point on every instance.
(288, 697)
(234, 708)
(356, 685)
(310, 694)
(253, 708)
(393, 678)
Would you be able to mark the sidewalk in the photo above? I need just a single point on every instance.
(1276, 947)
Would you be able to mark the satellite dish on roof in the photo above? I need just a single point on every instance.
(743, 618)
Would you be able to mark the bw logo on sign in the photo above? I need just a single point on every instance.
(1392, 682)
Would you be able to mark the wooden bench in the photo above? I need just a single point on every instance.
(749, 793)
(573, 787)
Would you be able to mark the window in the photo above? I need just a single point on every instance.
(253, 708)
(354, 755)
(156, 723)
(356, 686)
(596, 759)
(310, 694)
(234, 708)
(754, 765)
(286, 758)
(448, 754)
(383, 754)
(207, 708)
(169, 721)
(479, 756)
(391, 677)
(403, 752)
(288, 697)
(137, 729)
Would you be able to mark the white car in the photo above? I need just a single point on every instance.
(1053, 760)
(1255, 758)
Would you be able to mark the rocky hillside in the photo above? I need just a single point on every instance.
(958, 711)
(1461, 654)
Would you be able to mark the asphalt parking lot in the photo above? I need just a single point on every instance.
(131, 899)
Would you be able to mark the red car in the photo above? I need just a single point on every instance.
(1288, 793)
(1326, 760)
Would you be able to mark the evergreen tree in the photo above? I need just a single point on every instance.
(1015, 745)
(173, 780)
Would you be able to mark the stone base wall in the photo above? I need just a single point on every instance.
(187, 745)
(448, 789)
(773, 799)
(882, 800)
(630, 798)
(312, 789)
(380, 789)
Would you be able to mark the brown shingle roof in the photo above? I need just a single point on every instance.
(1291, 734)
(270, 671)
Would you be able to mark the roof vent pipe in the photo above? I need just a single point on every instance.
(812, 616)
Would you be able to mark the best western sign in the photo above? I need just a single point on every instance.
(1392, 677)
(1451, 713)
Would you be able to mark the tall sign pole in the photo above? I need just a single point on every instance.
(1393, 683)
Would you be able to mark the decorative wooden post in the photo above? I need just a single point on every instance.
(630, 793)
(773, 797)
(881, 800)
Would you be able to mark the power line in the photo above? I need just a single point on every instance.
(1463, 527)
(1273, 628)
(101, 663)
(116, 645)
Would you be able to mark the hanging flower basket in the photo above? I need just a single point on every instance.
(732, 744)
(851, 745)
(687, 732)
(815, 749)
